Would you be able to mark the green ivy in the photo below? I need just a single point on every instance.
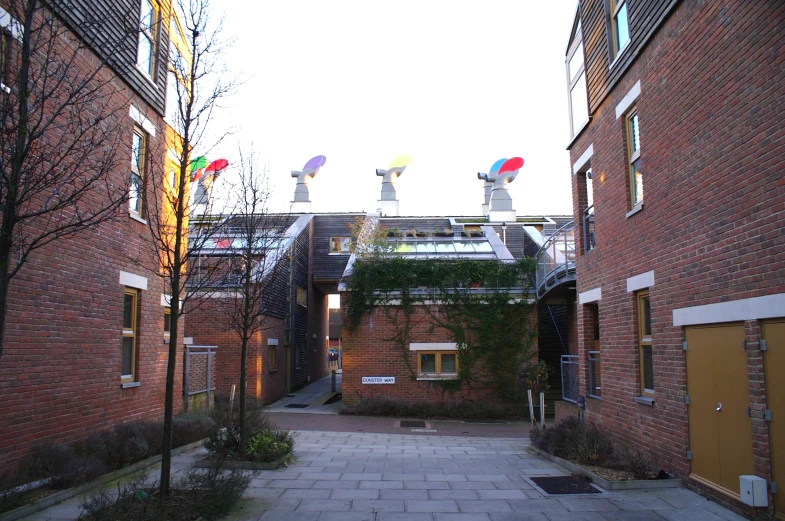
(486, 307)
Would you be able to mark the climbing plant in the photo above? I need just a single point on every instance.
(486, 308)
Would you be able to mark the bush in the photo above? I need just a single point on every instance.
(225, 432)
(272, 445)
(576, 440)
(196, 495)
(635, 462)
(63, 467)
(465, 410)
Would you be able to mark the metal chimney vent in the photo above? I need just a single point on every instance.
(302, 197)
(489, 178)
(501, 209)
(388, 203)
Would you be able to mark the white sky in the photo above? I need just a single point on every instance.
(455, 85)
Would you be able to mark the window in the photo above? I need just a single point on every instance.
(130, 306)
(302, 296)
(340, 244)
(620, 28)
(145, 57)
(437, 364)
(271, 357)
(138, 161)
(5, 58)
(167, 324)
(576, 79)
(634, 148)
(592, 312)
(644, 340)
(589, 237)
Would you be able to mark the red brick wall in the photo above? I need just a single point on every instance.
(368, 351)
(712, 143)
(207, 325)
(60, 368)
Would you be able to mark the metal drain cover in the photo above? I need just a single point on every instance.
(297, 405)
(413, 424)
(565, 485)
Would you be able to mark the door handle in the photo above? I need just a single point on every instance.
(719, 407)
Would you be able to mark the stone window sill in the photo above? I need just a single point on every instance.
(638, 207)
(433, 378)
(129, 385)
(272, 370)
(136, 217)
(645, 400)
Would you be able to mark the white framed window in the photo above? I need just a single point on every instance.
(620, 27)
(576, 79)
(145, 57)
(634, 158)
(138, 162)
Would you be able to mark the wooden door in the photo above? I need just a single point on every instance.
(774, 361)
(718, 387)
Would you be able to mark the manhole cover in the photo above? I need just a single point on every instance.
(495, 422)
(297, 405)
(413, 424)
(565, 485)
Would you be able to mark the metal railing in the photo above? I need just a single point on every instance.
(595, 375)
(556, 258)
(570, 381)
(589, 239)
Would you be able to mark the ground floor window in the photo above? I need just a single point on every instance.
(645, 350)
(130, 307)
(437, 364)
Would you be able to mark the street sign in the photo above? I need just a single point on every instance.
(378, 379)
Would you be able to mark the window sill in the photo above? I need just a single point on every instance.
(339, 253)
(136, 217)
(645, 400)
(620, 54)
(129, 385)
(579, 133)
(637, 208)
(434, 378)
(146, 76)
(272, 370)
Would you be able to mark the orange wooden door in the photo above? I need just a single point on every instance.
(774, 361)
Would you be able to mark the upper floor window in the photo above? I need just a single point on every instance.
(128, 357)
(620, 26)
(645, 353)
(136, 187)
(145, 57)
(6, 40)
(576, 77)
(634, 158)
(340, 244)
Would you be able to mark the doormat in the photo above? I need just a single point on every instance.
(297, 405)
(565, 485)
(412, 424)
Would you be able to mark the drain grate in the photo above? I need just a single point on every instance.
(413, 424)
(297, 405)
(565, 485)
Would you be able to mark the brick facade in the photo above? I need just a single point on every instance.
(207, 325)
(712, 141)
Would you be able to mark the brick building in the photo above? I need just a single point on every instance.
(677, 142)
(84, 344)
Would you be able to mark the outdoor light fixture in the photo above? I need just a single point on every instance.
(504, 232)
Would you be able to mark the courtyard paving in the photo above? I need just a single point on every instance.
(351, 476)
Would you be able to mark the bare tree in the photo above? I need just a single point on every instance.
(60, 116)
(201, 82)
(257, 235)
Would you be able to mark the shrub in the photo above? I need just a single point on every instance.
(197, 494)
(224, 435)
(63, 467)
(635, 462)
(574, 439)
(399, 408)
(270, 446)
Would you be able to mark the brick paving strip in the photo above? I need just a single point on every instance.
(366, 476)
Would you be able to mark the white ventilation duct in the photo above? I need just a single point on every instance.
(302, 197)
(388, 203)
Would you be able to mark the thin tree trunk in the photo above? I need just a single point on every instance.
(166, 451)
(243, 379)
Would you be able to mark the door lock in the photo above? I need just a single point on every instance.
(719, 406)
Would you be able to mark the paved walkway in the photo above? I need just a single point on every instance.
(342, 476)
(308, 395)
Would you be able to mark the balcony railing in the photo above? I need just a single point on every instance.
(556, 258)
(595, 375)
(589, 239)
(570, 381)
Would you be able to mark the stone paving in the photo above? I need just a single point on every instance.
(350, 476)
(389, 477)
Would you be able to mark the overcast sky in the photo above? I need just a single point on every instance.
(455, 85)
